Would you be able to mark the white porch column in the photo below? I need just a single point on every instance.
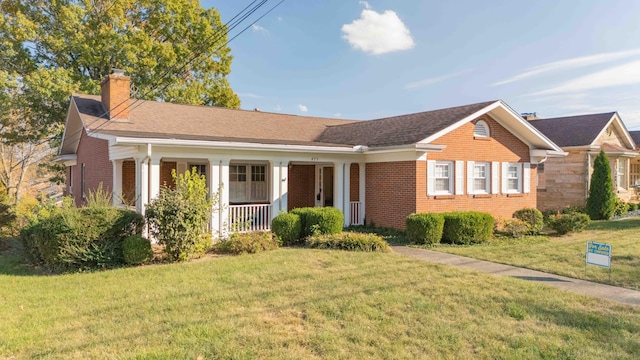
(284, 186)
(347, 194)
(338, 186)
(142, 184)
(362, 168)
(214, 186)
(224, 197)
(275, 188)
(116, 191)
(154, 181)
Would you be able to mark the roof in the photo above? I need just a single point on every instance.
(635, 135)
(151, 119)
(399, 130)
(581, 130)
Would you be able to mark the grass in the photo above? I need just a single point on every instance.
(565, 255)
(301, 303)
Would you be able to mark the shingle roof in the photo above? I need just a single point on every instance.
(578, 130)
(399, 130)
(635, 135)
(151, 119)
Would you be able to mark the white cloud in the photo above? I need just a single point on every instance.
(337, 115)
(302, 108)
(251, 95)
(568, 64)
(258, 28)
(365, 4)
(625, 74)
(378, 33)
(434, 80)
(278, 108)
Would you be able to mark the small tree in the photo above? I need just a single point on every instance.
(601, 201)
(178, 218)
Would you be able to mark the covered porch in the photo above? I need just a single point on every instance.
(249, 190)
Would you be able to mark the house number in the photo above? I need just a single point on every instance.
(314, 159)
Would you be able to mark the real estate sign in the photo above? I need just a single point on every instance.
(599, 254)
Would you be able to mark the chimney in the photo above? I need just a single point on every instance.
(115, 89)
(530, 116)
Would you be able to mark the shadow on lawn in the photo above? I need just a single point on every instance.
(614, 224)
(12, 261)
(393, 237)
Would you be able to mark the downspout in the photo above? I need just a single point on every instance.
(147, 159)
(588, 175)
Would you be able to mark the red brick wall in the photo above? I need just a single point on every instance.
(301, 186)
(166, 178)
(397, 189)
(390, 193)
(94, 153)
(129, 182)
(354, 186)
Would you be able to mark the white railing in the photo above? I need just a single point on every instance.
(247, 218)
(356, 208)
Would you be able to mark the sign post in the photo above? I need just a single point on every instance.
(598, 254)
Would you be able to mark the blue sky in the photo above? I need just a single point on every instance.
(364, 60)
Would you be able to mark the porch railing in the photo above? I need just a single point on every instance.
(247, 218)
(356, 208)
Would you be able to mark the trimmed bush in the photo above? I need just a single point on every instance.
(288, 228)
(620, 207)
(566, 223)
(136, 250)
(349, 241)
(325, 220)
(71, 239)
(247, 243)
(515, 228)
(425, 228)
(533, 218)
(601, 201)
(467, 227)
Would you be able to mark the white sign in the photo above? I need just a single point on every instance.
(599, 254)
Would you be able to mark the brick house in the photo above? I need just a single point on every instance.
(565, 181)
(475, 157)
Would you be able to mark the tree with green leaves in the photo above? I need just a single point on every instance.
(601, 201)
(174, 50)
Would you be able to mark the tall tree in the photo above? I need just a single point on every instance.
(601, 201)
(174, 50)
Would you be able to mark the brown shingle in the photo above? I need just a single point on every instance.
(578, 130)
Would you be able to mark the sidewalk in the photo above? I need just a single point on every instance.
(608, 292)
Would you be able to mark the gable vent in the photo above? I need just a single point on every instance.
(481, 129)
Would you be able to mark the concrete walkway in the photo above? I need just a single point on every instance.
(608, 292)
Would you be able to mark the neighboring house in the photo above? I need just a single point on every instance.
(564, 182)
(475, 157)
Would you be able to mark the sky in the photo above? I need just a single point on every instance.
(371, 59)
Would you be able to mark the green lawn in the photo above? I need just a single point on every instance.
(300, 303)
(565, 255)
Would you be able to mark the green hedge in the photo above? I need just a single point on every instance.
(349, 241)
(73, 239)
(247, 243)
(136, 250)
(566, 223)
(287, 227)
(467, 227)
(425, 228)
(325, 220)
(532, 217)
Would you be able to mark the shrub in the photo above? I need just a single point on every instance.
(326, 220)
(620, 207)
(533, 218)
(70, 239)
(247, 243)
(350, 241)
(136, 250)
(425, 228)
(515, 228)
(633, 206)
(178, 218)
(7, 213)
(601, 200)
(566, 223)
(288, 228)
(467, 227)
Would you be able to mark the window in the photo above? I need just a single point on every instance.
(512, 178)
(248, 183)
(621, 173)
(82, 182)
(444, 177)
(201, 169)
(481, 178)
(634, 173)
(237, 173)
(481, 130)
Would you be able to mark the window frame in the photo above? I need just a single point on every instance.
(450, 177)
(622, 174)
(248, 179)
(486, 129)
(518, 178)
(486, 178)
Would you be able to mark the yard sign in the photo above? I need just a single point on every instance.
(599, 254)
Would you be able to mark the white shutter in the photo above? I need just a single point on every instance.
(470, 165)
(527, 178)
(505, 169)
(495, 177)
(431, 177)
(459, 177)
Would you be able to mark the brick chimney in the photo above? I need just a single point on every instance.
(115, 89)
(530, 116)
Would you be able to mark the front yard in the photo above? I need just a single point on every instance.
(565, 255)
(302, 303)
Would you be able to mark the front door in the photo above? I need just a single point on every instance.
(324, 185)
